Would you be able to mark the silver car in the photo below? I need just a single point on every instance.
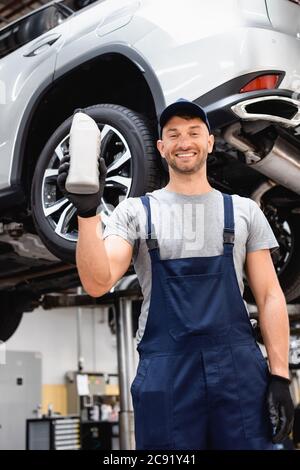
(123, 61)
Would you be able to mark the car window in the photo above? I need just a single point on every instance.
(79, 4)
(26, 29)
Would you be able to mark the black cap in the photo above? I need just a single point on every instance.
(183, 106)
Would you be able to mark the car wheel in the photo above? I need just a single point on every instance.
(286, 258)
(286, 227)
(128, 147)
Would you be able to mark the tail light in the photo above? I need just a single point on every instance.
(264, 82)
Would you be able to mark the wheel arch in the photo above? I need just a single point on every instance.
(78, 85)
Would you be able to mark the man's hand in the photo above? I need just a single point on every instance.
(86, 204)
(281, 407)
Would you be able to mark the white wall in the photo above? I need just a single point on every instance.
(54, 334)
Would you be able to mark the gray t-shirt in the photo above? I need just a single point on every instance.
(188, 226)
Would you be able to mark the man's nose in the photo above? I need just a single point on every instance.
(184, 142)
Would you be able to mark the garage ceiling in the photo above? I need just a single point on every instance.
(11, 10)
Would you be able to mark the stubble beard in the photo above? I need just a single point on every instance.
(187, 170)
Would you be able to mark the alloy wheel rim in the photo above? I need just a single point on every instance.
(59, 212)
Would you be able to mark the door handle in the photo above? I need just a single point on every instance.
(42, 46)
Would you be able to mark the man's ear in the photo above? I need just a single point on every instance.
(211, 141)
(160, 147)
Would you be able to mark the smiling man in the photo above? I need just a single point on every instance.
(201, 382)
(182, 145)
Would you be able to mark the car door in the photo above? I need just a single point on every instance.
(28, 51)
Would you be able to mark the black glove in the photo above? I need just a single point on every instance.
(281, 407)
(86, 204)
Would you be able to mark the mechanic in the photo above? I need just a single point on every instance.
(202, 381)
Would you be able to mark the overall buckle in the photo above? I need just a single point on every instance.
(152, 243)
(228, 236)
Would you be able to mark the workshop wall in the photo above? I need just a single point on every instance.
(53, 333)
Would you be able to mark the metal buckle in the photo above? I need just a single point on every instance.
(228, 236)
(152, 243)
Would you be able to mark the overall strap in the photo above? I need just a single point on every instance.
(228, 233)
(151, 238)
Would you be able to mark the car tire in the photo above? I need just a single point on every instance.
(289, 273)
(147, 174)
(289, 277)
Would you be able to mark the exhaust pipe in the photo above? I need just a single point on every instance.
(278, 109)
(281, 164)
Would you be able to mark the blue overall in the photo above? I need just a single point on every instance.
(201, 380)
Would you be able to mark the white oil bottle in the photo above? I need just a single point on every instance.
(84, 148)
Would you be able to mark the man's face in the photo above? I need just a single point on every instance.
(185, 144)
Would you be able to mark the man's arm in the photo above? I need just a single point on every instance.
(101, 263)
(272, 310)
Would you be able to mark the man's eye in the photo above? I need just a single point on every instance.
(173, 136)
(195, 133)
